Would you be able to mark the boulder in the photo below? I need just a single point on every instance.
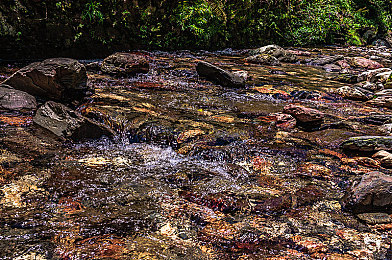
(369, 86)
(125, 64)
(375, 218)
(326, 60)
(264, 59)
(361, 62)
(275, 51)
(383, 77)
(305, 116)
(355, 93)
(218, 75)
(332, 68)
(12, 99)
(384, 157)
(386, 129)
(59, 79)
(368, 143)
(373, 193)
(66, 123)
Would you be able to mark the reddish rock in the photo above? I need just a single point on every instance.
(281, 120)
(304, 115)
(343, 64)
(364, 63)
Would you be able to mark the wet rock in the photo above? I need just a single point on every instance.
(326, 60)
(305, 116)
(343, 64)
(355, 93)
(281, 120)
(305, 94)
(347, 78)
(388, 82)
(361, 62)
(375, 218)
(264, 59)
(383, 98)
(383, 77)
(370, 74)
(299, 52)
(376, 119)
(93, 66)
(368, 143)
(64, 122)
(332, 68)
(384, 157)
(275, 51)
(125, 64)
(386, 129)
(12, 99)
(369, 86)
(218, 75)
(372, 194)
(59, 79)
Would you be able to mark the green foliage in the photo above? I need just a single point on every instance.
(92, 12)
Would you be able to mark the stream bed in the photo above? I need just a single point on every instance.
(196, 170)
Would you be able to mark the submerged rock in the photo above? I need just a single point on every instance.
(373, 193)
(59, 79)
(66, 123)
(368, 143)
(12, 99)
(326, 60)
(125, 64)
(218, 75)
(305, 116)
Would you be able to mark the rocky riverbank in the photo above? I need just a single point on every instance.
(269, 153)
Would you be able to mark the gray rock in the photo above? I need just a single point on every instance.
(275, 51)
(369, 75)
(383, 99)
(12, 99)
(386, 129)
(369, 86)
(375, 218)
(326, 60)
(66, 123)
(59, 79)
(264, 59)
(373, 193)
(332, 68)
(219, 76)
(368, 143)
(125, 64)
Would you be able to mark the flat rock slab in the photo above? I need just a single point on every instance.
(66, 123)
(60, 79)
(368, 143)
(304, 115)
(218, 75)
(375, 218)
(373, 193)
(125, 64)
(13, 99)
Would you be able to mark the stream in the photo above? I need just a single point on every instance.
(196, 170)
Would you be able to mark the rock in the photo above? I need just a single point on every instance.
(242, 74)
(376, 119)
(355, 93)
(264, 59)
(375, 218)
(386, 129)
(383, 99)
(372, 194)
(60, 79)
(281, 120)
(369, 86)
(368, 143)
(93, 66)
(64, 122)
(381, 43)
(347, 78)
(361, 62)
(12, 99)
(305, 116)
(332, 68)
(370, 74)
(125, 64)
(275, 51)
(383, 77)
(388, 83)
(343, 64)
(384, 157)
(218, 75)
(299, 52)
(326, 60)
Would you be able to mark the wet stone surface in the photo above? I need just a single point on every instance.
(197, 170)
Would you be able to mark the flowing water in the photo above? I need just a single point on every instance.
(196, 171)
